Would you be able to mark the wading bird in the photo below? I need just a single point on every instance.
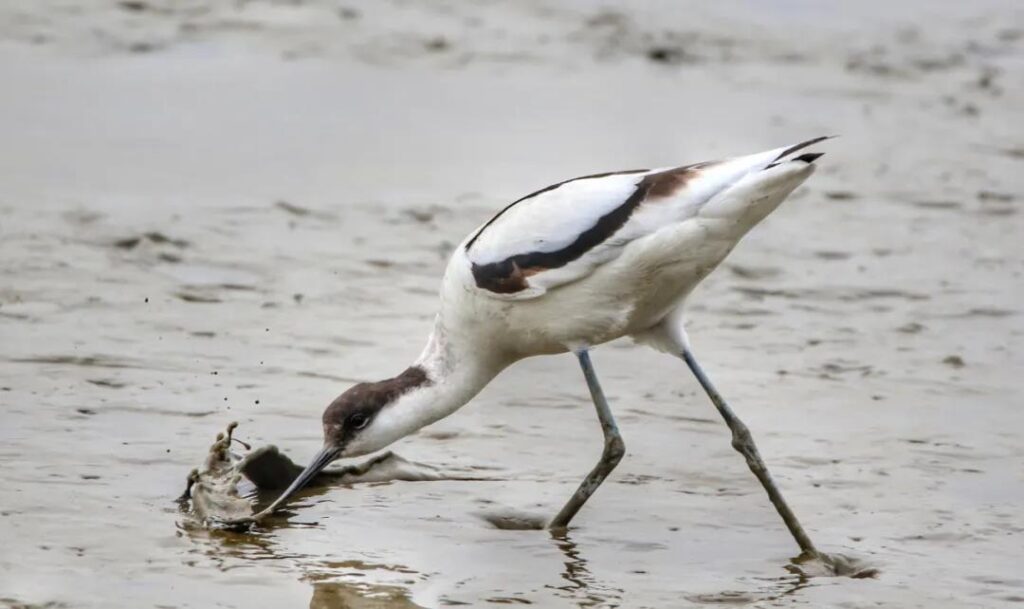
(564, 269)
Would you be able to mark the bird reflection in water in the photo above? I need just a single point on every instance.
(348, 595)
(581, 585)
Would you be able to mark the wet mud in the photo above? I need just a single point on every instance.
(220, 211)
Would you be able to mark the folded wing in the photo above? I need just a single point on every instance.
(562, 233)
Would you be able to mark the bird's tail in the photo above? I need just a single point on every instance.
(756, 184)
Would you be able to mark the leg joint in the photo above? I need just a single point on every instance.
(614, 448)
(742, 440)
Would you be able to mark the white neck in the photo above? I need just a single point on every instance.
(456, 371)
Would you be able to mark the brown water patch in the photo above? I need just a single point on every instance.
(346, 595)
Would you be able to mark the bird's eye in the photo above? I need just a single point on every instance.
(358, 421)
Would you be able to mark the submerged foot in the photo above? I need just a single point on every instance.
(822, 564)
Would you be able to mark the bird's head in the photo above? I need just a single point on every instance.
(357, 423)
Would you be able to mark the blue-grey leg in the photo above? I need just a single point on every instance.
(613, 451)
(743, 442)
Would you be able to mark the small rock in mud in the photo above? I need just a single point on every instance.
(999, 197)
(752, 272)
(910, 328)
(437, 44)
(197, 298)
(348, 13)
(669, 55)
(152, 237)
(840, 195)
(954, 361)
(291, 208)
(515, 521)
(133, 5)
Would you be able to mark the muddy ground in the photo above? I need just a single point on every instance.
(215, 211)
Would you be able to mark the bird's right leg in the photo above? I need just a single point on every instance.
(743, 442)
(614, 448)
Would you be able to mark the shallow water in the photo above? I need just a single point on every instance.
(308, 177)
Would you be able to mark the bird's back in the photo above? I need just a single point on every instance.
(598, 257)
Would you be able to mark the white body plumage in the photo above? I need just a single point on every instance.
(568, 267)
(629, 283)
(632, 279)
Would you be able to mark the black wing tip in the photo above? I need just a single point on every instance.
(809, 157)
(801, 146)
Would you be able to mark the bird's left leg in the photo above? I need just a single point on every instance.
(614, 448)
(743, 442)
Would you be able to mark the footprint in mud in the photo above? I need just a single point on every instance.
(98, 361)
(511, 520)
(302, 212)
(754, 272)
(728, 597)
(153, 237)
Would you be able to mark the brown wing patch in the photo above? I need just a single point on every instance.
(506, 277)
(672, 181)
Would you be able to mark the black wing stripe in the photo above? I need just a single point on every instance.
(509, 275)
(470, 243)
